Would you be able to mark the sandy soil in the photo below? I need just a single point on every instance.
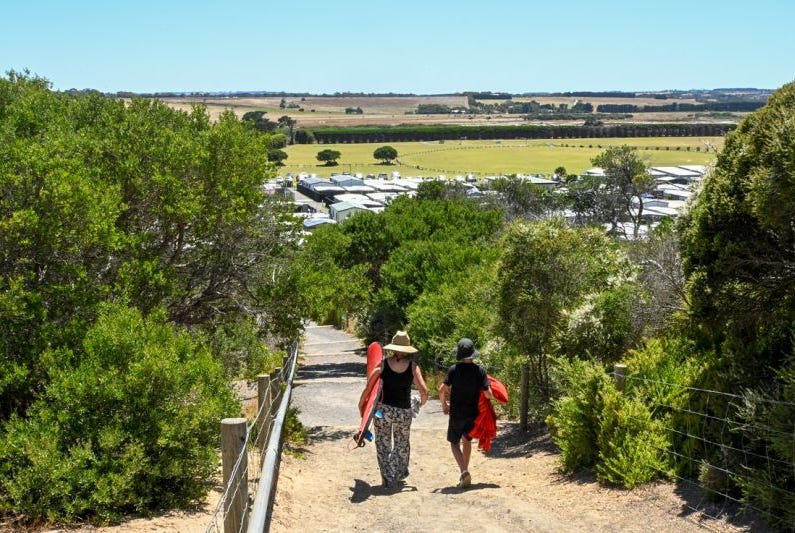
(516, 487)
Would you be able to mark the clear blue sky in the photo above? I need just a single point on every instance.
(412, 46)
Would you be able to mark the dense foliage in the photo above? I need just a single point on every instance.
(158, 211)
(128, 422)
(374, 266)
(713, 392)
(738, 256)
(381, 134)
(554, 283)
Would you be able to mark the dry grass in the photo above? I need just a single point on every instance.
(397, 110)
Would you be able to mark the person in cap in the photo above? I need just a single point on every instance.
(462, 385)
(392, 430)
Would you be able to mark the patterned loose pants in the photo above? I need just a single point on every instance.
(392, 442)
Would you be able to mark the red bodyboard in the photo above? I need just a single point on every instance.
(374, 358)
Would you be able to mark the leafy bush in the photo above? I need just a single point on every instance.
(574, 422)
(243, 354)
(623, 436)
(601, 327)
(128, 425)
(632, 445)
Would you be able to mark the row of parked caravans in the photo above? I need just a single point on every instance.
(346, 194)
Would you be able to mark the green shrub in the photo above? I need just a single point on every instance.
(129, 424)
(574, 422)
(632, 446)
(239, 346)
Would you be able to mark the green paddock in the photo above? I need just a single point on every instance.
(483, 158)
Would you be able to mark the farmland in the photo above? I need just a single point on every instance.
(317, 111)
(497, 157)
(453, 157)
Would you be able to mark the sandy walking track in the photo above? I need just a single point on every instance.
(516, 486)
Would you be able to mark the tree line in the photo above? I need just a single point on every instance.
(378, 134)
(740, 106)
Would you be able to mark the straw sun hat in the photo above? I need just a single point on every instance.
(401, 343)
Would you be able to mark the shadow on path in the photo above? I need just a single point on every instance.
(513, 442)
(362, 490)
(323, 433)
(332, 370)
(473, 486)
(699, 502)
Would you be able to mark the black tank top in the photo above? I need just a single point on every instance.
(397, 386)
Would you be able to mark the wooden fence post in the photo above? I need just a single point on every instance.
(233, 444)
(620, 376)
(524, 397)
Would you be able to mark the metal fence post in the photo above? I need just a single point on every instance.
(620, 376)
(233, 445)
(263, 408)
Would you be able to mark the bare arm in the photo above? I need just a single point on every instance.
(444, 392)
(487, 393)
(371, 380)
(421, 386)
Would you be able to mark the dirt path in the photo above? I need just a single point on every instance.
(515, 487)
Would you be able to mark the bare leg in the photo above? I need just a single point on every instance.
(459, 456)
(466, 454)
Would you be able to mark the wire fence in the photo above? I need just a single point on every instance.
(245, 447)
(724, 449)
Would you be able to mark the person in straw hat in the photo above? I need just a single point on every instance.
(398, 371)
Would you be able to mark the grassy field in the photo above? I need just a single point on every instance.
(483, 158)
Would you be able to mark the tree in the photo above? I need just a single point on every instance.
(329, 156)
(739, 244)
(386, 154)
(626, 181)
(547, 271)
(277, 156)
(303, 136)
(738, 250)
(288, 122)
(523, 199)
(259, 121)
(129, 421)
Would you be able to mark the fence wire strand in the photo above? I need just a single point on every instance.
(257, 433)
(697, 427)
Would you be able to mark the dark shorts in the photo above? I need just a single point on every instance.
(458, 428)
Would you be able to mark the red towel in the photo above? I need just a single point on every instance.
(486, 422)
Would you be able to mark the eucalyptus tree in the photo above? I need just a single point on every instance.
(620, 192)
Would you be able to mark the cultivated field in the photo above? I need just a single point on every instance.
(483, 158)
(314, 111)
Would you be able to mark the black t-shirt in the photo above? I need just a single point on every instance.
(397, 386)
(466, 380)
